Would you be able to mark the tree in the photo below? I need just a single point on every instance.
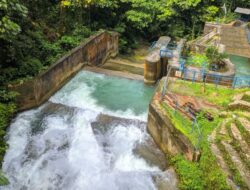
(10, 10)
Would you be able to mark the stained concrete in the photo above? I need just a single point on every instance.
(93, 51)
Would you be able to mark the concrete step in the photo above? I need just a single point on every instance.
(125, 62)
(240, 140)
(128, 68)
(219, 156)
(244, 172)
(246, 123)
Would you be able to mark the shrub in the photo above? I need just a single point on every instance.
(30, 67)
(82, 32)
(8, 74)
(68, 42)
(198, 60)
(51, 52)
(215, 57)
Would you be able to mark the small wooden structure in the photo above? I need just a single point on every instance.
(244, 12)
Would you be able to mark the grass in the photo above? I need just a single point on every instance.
(189, 173)
(233, 169)
(237, 147)
(198, 60)
(204, 174)
(183, 124)
(246, 97)
(245, 134)
(221, 96)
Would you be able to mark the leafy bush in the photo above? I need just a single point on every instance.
(82, 32)
(3, 179)
(6, 112)
(30, 67)
(68, 42)
(7, 96)
(215, 57)
(51, 52)
(8, 74)
(198, 60)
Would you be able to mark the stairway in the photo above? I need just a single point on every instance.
(231, 145)
(235, 40)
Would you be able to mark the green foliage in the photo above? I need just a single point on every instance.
(189, 173)
(68, 42)
(6, 112)
(245, 134)
(221, 96)
(3, 179)
(7, 96)
(30, 67)
(198, 60)
(246, 97)
(204, 174)
(215, 57)
(183, 124)
(8, 25)
(213, 176)
(233, 169)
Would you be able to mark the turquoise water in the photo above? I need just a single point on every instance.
(242, 65)
(106, 94)
(59, 146)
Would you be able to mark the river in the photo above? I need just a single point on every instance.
(90, 135)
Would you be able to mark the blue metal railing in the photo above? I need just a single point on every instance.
(166, 53)
(241, 81)
(203, 76)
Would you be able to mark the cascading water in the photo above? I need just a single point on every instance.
(84, 138)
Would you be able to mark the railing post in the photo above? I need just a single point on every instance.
(217, 80)
(194, 73)
(235, 82)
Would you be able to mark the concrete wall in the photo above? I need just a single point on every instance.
(93, 51)
(166, 136)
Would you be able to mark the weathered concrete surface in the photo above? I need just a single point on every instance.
(239, 103)
(154, 65)
(167, 136)
(123, 65)
(114, 73)
(235, 40)
(94, 51)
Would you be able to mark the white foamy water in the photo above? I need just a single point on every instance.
(55, 147)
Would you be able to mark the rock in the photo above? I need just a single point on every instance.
(167, 181)
(151, 153)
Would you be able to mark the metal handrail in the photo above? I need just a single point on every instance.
(165, 83)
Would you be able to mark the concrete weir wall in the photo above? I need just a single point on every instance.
(166, 136)
(93, 51)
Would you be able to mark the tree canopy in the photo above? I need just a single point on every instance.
(33, 34)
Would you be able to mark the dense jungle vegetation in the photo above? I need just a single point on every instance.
(35, 33)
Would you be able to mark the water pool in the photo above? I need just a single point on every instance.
(242, 65)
